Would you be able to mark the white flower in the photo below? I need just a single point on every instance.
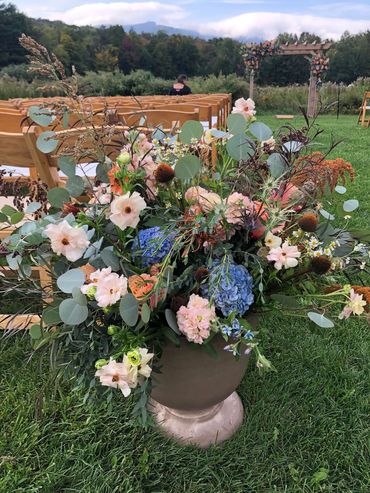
(125, 210)
(272, 241)
(355, 305)
(245, 107)
(116, 375)
(67, 240)
(140, 367)
(285, 256)
(102, 195)
(110, 289)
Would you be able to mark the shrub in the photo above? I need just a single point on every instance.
(140, 82)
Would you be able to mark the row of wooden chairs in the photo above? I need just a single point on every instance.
(213, 108)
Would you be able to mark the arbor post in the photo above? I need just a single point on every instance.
(312, 96)
(251, 83)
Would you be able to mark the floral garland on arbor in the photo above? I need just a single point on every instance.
(253, 53)
(319, 65)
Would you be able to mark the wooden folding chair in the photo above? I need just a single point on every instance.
(365, 107)
(154, 118)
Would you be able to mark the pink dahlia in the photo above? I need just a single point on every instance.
(237, 207)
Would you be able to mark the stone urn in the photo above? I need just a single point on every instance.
(193, 398)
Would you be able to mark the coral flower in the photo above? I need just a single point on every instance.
(285, 256)
(141, 285)
(237, 206)
(245, 107)
(125, 210)
(193, 194)
(115, 185)
(67, 240)
(209, 200)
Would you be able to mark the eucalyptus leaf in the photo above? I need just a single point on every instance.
(50, 315)
(236, 124)
(260, 131)
(46, 142)
(35, 331)
(187, 167)
(65, 119)
(277, 164)
(73, 278)
(327, 215)
(350, 205)
(110, 259)
(239, 147)
(75, 185)
(102, 172)
(72, 313)
(191, 130)
(58, 197)
(145, 313)
(171, 320)
(129, 309)
(32, 207)
(42, 116)
(67, 165)
(320, 320)
(79, 297)
(340, 189)
(219, 134)
(14, 261)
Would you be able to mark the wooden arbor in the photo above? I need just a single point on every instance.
(308, 50)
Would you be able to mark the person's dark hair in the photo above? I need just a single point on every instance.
(182, 78)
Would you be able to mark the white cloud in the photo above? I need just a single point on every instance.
(268, 25)
(124, 13)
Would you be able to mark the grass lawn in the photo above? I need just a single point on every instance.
(304, 429)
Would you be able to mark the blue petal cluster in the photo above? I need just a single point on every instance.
(229, 287)
(151, 245)
(235, 329)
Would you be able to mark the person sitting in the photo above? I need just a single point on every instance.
(180, 88)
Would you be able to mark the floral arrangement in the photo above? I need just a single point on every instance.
(166, 246)
(253, 53)
(319, 65)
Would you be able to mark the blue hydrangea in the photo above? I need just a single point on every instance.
(151, 245)
(229, 287)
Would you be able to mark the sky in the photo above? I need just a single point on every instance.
(235, 18)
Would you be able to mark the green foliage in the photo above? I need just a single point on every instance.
(187, 167)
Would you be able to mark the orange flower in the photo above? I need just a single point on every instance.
(141, 285)
(113, 180)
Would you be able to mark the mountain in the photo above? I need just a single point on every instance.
(153, 28)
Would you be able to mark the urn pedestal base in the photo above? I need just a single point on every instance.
(203, 428)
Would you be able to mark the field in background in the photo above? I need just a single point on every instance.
(304, 430)
(272, 99)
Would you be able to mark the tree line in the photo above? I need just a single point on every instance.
(111, 48)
